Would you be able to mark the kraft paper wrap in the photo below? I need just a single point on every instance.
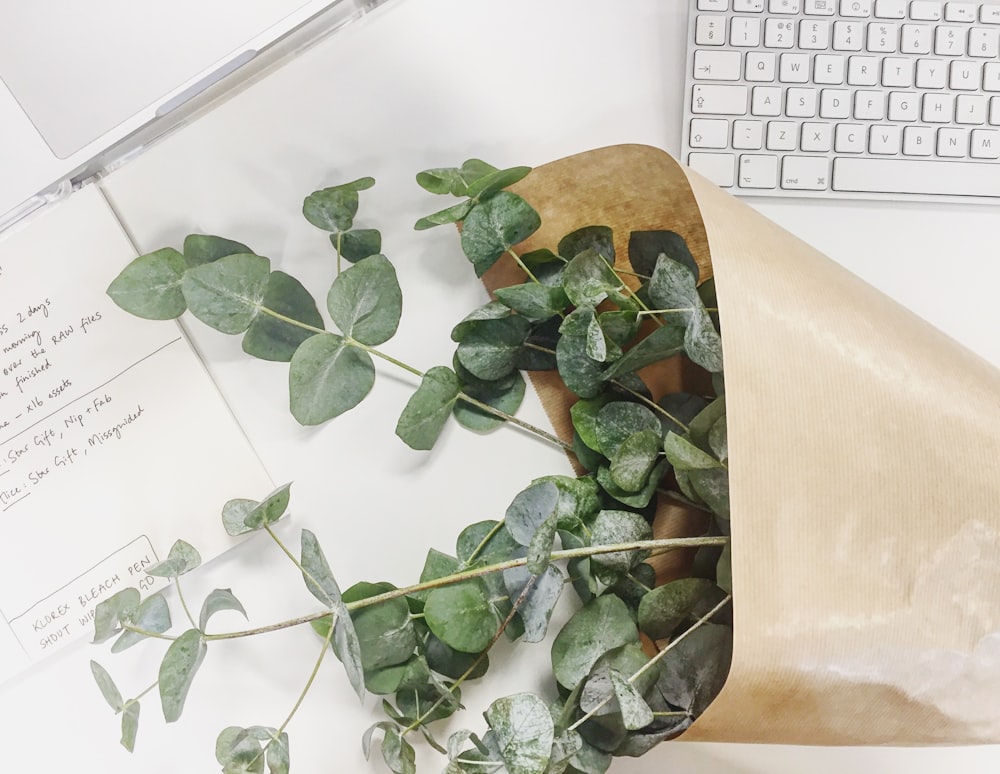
(864, 452)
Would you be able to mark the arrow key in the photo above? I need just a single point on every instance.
(717, 65)
(709, 133)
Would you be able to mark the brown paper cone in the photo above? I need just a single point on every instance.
(864, 447)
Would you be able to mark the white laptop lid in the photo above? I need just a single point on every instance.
(76, 78)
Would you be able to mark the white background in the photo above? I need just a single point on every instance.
(424, 83)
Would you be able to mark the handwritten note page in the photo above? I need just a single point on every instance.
(114, 441)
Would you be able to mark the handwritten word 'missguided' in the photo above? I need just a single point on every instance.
(114, 432)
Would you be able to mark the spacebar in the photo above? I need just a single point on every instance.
(962, 178)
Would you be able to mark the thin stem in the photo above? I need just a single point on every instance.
(136, 698)
(155, 635)
(388, 358)
(180, 596)
(291, 320)
(650, 403)
(525, 269)
(305, 573)
(655, 659)
(482, 543)
(515, 421)
(659, 545)
(340, 236)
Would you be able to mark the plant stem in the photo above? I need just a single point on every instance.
(543, 434)
(659, 545)
(482, 543)
(340, 236)
(180, 596)
(305, 573)
(525, 269)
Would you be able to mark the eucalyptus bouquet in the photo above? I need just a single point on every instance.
(643, 654)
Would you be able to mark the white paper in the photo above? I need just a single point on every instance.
(114, 441)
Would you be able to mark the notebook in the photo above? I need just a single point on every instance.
(83, 86)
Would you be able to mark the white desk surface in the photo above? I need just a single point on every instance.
(423, 83)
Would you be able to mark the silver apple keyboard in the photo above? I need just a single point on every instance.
(881, 99)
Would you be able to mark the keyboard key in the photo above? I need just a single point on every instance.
(951, 142)
(758, 171)
(744, 31)
(862, 71)
(964, 76)
(995, 111)
(983, 43)
(717, 65)
(820, 7)
(713, 5)
(890, 9)
(937, 108)
(748, 135)
(709, 133)
(989, 14)
(710, 31)
(800, 102)
(931, 74)
(915, 38)
(835, 103)
(766, 101)
(761, 66)
(814, 34)
(903, 106)
(971, 108)
(918, 141)
(960, 12)
(816, 137)
(782, 135)
(885, 139)
(828, 69)
(883, 38)
(784, 6)
(985, 144)
(991, 77)
(949, 41)
(849, 138)
(779, 33)
(897, 72)
(717, 167)
(794, 68)
(858, 8)
(925, 10)
(724, 100)
(748, 6)
(869, 105)
(959, 178)
(847, 36)
(805, 173)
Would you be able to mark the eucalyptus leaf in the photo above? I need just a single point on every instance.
(385, 632)
(358, 243)
(530, 509)
(228, 293)
(183, 558)
(397, 753)
(664, 608)
(579, 499)
(239, 751)
(483, 186)
(724, 570)
(334, 208)
(365, 301)
(638, 499)
(635, 459)
(673, 287)
(693, 671)
(612, 527)
(489, 348)
(538, 604)
(216, 602)
(600, 239)
(270, 338)
(327, 377)
(436, 565)
(493, 310)
(540, 546)
(461, 616)
(583, 414)
(418, 703)
(107, 685)
(130, 724)
(150, 286)
(524, 732)
(410, 674)
(661, 344)
(645, 247)
(619, 420)
(535, 301)
(113, 611)
(207, 248)
(684, 455)
(277, 755)
(452, 214)
(270, 509)
(580, 373)
(445, 660)
(712, 487)
(494, 226)
(596, 342)
(486, 542)
(718, 439)
(588, 279)
(601, 625)
(428, 409)
(504, 394)
(177, 670)
(153, 616)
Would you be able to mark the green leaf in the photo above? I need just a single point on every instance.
(693, 671)
(662, 343)
(496, 225)
(645, 247)
(277, 755)
(397, 753)
(218, 600)
(270, 509)
(619, 420)
(584, 416)
(473, 170)
(452, 214)
(365, 301)
(490, 183)
(530, 509)
(177, 671)
(334, 208)
(503, 394)
(153, 615)
(410, 674)
(684, 455)
(417, 702)
(328, 377)
(596, 343)
(428, 409)
(461, 616)
(113, 611)
(183, 558)
(489, 348)
(579, 372)
(579, 499)
(718, 439)
(712, 487)
(635, 459)
(540, 546)
(449, 662)
(489, 540)
(612, 527)
(321, 584)
(638, 499)
(599, 239)
(130, 724)
(358, 243)
(150, 286)
(536, 608)
(442, 180)
(601, 625)
(672, 286)
(607, 691)
(205, 248)
(269, 338)
(702, 342)
(239, 752)
(108, 688)
(227, 294)
(524, 732)
(588, 279)
(385, 632)
(724, 569)
(666, 607)
(492, 310)
(534, 301)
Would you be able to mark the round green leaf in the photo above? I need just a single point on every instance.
(645, 247)
(107, 685)
(451, 214)
(534, 301)
(588, 279)
(177, 670)
(153, 615)
(365, 301)
(600, 239)
(183, 558)
(385, 631)
(524, 732)
(612, 527)
(660, 344)
(334, 208)
(205, 248)
(489, 348)
(358, 243)
(485, 185)
(601, 625)
(619, 420)
(666, 607)
(227, 294)
(150, 286)
(529, 509)
(504, 394)
(217, 601)
(327, 377)
(272, 339)
(428, 409)
(635, 459)
(461, 616)
(494, 226)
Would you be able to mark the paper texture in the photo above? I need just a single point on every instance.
(102, 415)
(865, 490)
